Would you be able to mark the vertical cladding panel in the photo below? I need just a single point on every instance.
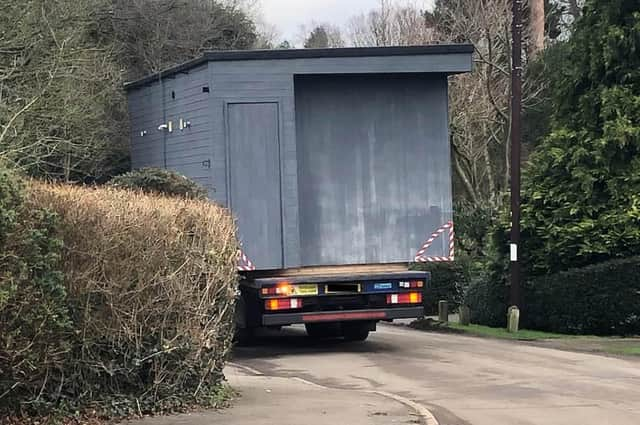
(145, 110)
(373, 167)
(188, 149)
(242, 82)
(254, 186)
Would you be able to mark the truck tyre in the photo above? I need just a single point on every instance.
(355, 331)
(243, 335)
(323, 330)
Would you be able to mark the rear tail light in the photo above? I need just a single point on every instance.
(282, 304)
(407, 298)
(282, 288)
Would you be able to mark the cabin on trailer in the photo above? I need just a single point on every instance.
(325, 156)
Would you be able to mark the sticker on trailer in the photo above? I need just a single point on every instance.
(305, 289)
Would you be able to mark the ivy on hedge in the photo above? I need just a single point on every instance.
(34, 318)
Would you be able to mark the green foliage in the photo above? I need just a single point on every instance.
(548, 70)
(581, 201)
(488, 292)
(448, 281)
(10, 201)
(34, 320)
(486, 299)
(472, 225)
(160, 181)
(602, 299)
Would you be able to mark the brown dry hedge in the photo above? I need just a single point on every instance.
(150, 286)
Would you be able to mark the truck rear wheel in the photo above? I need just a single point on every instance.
(323, 330)
(243, 334)
(355, 331)
(244, 337)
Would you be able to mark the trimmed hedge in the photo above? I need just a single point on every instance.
(143, 320)
(487, 300)
(160, 181)
(602, 299)
(448, 281)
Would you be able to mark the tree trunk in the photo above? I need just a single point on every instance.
(536, 8)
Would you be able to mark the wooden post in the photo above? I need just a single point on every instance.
(516, 136)
(465, 315)
(513, 319)
(443, 311)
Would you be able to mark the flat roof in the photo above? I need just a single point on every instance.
(346, 52)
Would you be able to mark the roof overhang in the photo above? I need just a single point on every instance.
(292, 54)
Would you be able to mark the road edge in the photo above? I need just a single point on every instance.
(425, 414)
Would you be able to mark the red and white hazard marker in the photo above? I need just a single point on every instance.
(244, 264)
(420, 255)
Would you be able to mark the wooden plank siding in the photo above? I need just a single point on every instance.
(206, 142)
(172, 99)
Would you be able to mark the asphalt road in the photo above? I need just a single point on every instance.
(460, 379)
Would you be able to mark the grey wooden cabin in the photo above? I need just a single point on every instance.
(326, 157)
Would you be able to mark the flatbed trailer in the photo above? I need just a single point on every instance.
(354, 302)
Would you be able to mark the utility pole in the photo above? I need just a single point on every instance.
(516, 137)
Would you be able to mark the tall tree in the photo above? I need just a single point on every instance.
(321, 35)
(390, 24)
(154, 34)
(62, 112)
(317, 39)
(480, 106)
(581, 200)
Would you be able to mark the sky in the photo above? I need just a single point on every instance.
(289, 15)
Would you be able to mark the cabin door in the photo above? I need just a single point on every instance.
(254, 180)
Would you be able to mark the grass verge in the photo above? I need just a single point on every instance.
(485, 331)
(616, 346)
